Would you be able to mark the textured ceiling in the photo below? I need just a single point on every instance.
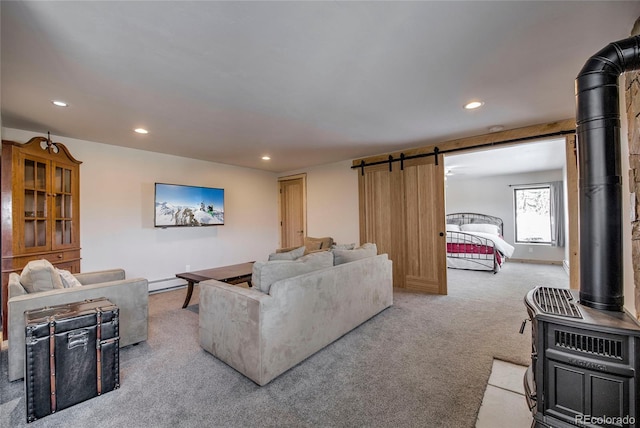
(305, 82)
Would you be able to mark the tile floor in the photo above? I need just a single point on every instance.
(504, 404)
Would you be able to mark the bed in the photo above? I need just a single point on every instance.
(474, 241)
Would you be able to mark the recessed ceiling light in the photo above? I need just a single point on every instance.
(141, 131)
(496, 128)
(266, 157)
(473, 105)
(59, 103)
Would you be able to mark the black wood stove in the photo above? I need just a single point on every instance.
(584, 363)
(585, 347)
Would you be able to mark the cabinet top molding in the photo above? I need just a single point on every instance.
(37, 145)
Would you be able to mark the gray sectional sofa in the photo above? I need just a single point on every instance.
(262, 335)
(130, 295)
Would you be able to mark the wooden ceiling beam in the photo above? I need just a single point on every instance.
(528, 132)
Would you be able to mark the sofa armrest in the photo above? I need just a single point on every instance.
(229, 320)
(130, 295)
(100, 276)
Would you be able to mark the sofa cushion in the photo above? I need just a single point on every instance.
(346, 256)
(311, 245)
(289, 255)
(40, 275)
(266, 273)
(343, 246)
(68, 279)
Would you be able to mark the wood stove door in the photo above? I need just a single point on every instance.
(575, 393)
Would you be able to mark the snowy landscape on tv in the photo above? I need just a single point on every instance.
(178, 205)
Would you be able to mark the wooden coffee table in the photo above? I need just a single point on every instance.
(234, 274)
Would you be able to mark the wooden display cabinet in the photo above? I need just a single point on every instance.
(40, 208)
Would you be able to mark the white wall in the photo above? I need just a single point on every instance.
(117, 211)
(332, 201)
(493, 196)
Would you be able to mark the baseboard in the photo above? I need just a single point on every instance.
(537, 262)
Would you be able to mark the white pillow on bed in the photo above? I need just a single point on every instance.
(453, 227)
(481, 227)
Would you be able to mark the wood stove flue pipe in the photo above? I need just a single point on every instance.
(598, 134)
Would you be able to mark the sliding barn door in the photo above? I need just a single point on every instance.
(381, 207)
(426, 258)
(402, 211)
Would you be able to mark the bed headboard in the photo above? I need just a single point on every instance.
(466, 218)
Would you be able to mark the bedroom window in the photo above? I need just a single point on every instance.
(533, 214)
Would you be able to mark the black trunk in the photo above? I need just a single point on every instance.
(72, 355)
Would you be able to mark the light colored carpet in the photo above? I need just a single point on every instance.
(424, 362)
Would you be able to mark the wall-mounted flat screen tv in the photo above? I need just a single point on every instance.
(178, 205)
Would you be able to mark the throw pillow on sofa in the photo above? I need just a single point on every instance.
(346, 256)
(266, 273)
(289, 255)
(68, 279)
(40, 275)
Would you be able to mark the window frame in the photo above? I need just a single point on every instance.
(539, 186)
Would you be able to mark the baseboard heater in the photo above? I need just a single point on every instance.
(166, 284)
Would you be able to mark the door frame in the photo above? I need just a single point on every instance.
(514, 137)
(572, 265)
(303, 177)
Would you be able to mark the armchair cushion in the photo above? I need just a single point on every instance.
(40, 275)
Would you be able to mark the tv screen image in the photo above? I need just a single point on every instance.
(180, 205)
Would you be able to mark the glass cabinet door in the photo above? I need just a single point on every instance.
(35, 203)
(63, 185)
(48, 213)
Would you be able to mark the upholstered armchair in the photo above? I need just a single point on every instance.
(130, 295)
